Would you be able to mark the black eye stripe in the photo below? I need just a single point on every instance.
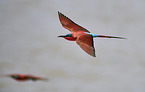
(69, 35)
(16, 77)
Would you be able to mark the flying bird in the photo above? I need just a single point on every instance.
(23, 77)
(81, 35)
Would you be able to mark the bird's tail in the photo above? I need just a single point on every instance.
(103, 36)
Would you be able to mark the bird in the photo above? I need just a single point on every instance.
(23, 77)
(81, 35)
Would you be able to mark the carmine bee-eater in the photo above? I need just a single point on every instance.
(24, 77)
(81, 35)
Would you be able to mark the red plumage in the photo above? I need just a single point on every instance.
(84, 40)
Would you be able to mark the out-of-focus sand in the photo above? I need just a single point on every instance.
(29, 45)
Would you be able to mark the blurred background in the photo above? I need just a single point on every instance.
(29, 45)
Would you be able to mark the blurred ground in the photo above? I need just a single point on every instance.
(29, 45)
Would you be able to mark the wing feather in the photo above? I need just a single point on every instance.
(87, 44)
(69, 24)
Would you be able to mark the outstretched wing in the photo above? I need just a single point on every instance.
(69, 24)
(87, 44)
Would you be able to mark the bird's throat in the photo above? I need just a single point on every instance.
(70, 38)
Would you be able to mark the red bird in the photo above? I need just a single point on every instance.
(81, 35)
(24, 77)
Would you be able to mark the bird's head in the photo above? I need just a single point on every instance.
(68, 37)
(15, 76)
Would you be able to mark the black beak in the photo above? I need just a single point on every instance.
(61, 36)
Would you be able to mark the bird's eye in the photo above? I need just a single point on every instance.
(67, 35)
(16, 77)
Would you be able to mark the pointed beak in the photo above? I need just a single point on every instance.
(61, 36)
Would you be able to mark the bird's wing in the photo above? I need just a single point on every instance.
(86, 43)
(69, 24)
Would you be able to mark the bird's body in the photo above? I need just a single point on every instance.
(24, 77)
(79, 34)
